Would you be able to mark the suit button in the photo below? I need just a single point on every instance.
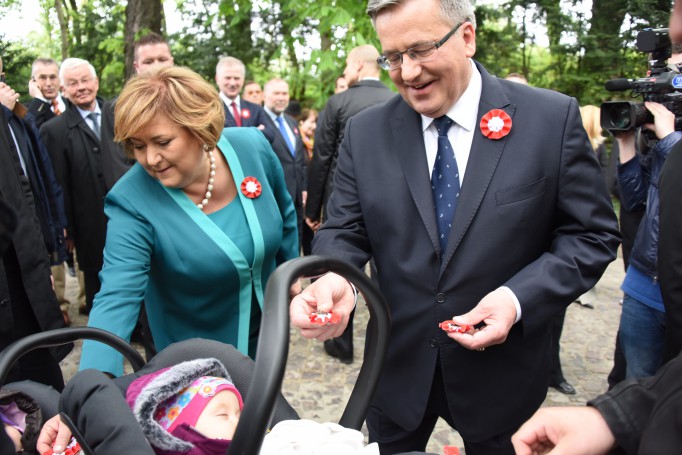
(440, 297)
(4, 303)
(433, 343)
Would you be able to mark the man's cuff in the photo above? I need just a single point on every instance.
(511, 294)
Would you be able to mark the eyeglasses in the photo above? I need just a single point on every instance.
(419, 53)
(75, 83)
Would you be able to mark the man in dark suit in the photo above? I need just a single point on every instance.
(286, 143)
(74, 145)
(27, 302)
(532, 229)
(365, 89)
(229, 75)
(150, 51)
(47, 103)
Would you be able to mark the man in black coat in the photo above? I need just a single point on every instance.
(27, 301)
(365, 90)
(74, 145)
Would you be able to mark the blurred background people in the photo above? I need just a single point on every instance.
(253, 93)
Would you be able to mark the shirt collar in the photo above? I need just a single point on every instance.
(228, 101)
(85, 113)
(465, 110)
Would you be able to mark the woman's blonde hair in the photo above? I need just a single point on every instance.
(592, 124)
(176, 92)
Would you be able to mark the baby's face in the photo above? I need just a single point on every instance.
(220, 416)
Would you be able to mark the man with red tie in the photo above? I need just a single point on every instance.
(229, 76)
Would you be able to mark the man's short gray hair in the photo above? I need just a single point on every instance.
(227, 61)
(453, 11)
(70, 63)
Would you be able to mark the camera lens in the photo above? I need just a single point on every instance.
(620, 116)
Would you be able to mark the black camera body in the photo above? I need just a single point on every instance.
(663, 85)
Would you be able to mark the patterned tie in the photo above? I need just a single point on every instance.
(235, 114)
(444, 182)
(95, 124)
(55, 107)
(285, 135)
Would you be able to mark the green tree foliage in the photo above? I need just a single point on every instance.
(306, 42)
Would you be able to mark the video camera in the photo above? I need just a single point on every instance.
(663, 85)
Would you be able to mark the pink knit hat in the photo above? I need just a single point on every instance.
(165, 399)
(189, 403)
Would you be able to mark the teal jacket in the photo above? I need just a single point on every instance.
(198, 275)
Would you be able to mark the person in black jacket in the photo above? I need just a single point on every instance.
(27, 302)
(73, 141)
(365, 90)
(638, 416)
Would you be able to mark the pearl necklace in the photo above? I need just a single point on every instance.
(211, 177)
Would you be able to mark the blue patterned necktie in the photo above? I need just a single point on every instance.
(444, 182)
(285, 135)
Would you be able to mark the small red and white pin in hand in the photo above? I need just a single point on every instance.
(324, 318)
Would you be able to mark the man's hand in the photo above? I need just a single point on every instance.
(328, 293)
(564, 431)
(34, 89)
(497, 311)
(54, 435)
(312, 224)
(8, 97)
(626, 145)
(664, 120)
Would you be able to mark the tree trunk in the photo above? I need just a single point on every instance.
(141, 16)
(63, 29)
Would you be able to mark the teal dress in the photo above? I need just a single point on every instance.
(199, 275)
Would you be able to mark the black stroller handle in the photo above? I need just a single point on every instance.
(273, 349)
(57, 337)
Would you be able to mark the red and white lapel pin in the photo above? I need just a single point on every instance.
(496, 124)
(251, 187)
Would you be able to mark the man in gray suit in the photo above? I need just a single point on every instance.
(481, 201)
(365, 89)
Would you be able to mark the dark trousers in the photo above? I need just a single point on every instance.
(38, 365)
(556, 375)
(629, 223)
(393, 439)
(92, 285)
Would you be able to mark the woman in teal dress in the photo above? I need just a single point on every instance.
(195, 228)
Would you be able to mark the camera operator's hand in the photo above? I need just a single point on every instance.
(627, 149)
(664, 120)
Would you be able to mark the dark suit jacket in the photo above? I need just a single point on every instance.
(533, 215)
(115, 163)
(670, 249)
(41, 110)
(46, 192)
(295, 168)
(252, 115)
(76, 155)
(329, 134)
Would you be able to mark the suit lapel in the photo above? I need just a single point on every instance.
(229, 118)
(484, 157)
(407, 139)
